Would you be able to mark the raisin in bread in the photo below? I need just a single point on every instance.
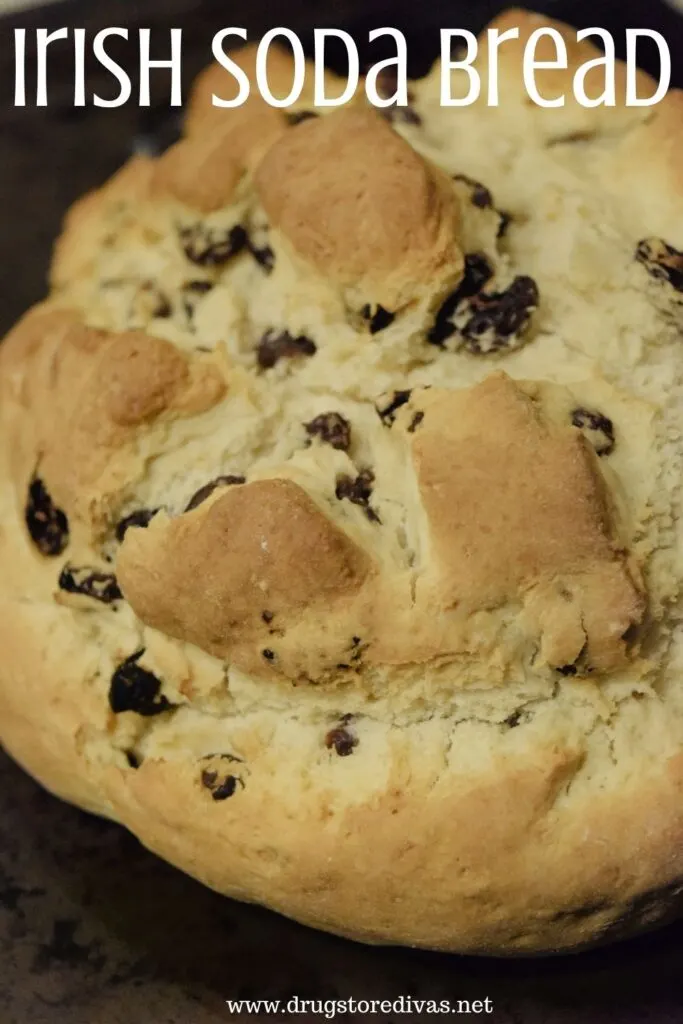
(341, 495)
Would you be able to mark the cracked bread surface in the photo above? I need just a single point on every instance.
(341, 514)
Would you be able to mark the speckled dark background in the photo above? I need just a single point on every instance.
(93, 929)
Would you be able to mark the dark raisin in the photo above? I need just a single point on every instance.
(192, 292)
(661, 261)
(267, 617)
(198, 287)
(209, 247)
(268, 654)
(152, 301)
(263, 255)
(578, 667)
(136, 689)
(505, 222)
(341, 740)
(207, 490)
(358, 490)
(141, 517)
(479, 194)
(499, 318)
(100, 586)
(223, 757)
(332, 429)
(478, 271)
(295, 117)
(47, 525)
(220, 788)
(415, 422)
(377, 317)
(162, 307)
(571, 137)
(277, 345)
(597, 429)
(387, 413)
(258, 244)
(631, 635)
(221, 785)
(513, 720)
(226, 788)
(132, 758)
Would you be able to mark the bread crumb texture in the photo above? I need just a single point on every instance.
(341, 497)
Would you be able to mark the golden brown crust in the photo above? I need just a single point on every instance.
(242, 135)
(101, 390)
(382, 229)
(203, 173)
(261, 565)
(508, 466)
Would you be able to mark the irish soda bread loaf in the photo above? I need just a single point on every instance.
(341, 496)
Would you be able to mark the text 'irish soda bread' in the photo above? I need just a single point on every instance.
(341, 499)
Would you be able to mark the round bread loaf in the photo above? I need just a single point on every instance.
(341, 495)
